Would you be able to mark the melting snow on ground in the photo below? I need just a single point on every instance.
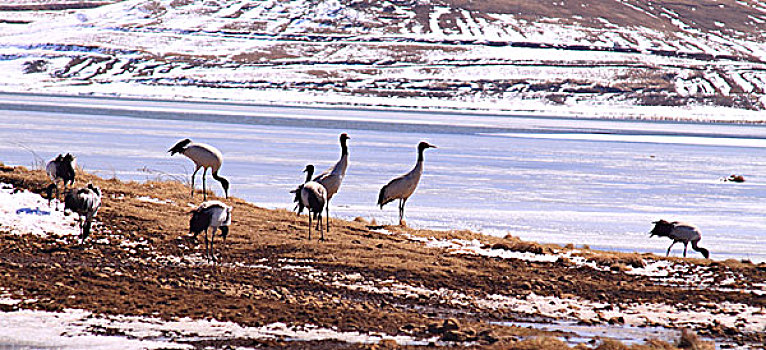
(24, 212)
(78, 329)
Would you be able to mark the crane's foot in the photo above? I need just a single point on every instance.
(403, 223)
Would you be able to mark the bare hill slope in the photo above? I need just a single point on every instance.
(598, 56)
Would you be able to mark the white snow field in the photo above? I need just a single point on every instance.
(599, 183)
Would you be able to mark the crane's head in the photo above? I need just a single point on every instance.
(344, 137)
(662, 228)
(179, 147)
(95, 189)
(68, 158)
(424, 145)
(309, 170)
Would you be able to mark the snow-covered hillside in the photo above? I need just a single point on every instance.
(608, 57)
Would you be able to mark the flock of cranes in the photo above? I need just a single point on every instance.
(313, 194)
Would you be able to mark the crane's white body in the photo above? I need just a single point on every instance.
(204, 156)
(220, 213)
(312, 191)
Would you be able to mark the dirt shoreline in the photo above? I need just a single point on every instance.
(453, 286)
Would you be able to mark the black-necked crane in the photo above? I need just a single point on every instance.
(313, 196)
(60, 169)
(402, 187)
(333, 177)
(309, 170)
(679, 232)
(209, 214)
(204, 156)
(85, 202)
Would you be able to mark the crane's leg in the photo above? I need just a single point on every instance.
(671, 246)
(404, 202)
(207, 255)
(204, 190)
(82, 228)
(192, 185)
(322, 231)
(310, 214)
(400, 212)
(685, 245)
(212, 244)
(327, 212)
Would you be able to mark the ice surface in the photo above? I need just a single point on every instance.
(542, 179)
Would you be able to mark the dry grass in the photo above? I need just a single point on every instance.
(147, 285)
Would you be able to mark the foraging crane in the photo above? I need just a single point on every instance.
(85, 202)
(311, 195)
(209, 214)
(331, 178)
(60, 169)
(204, 156)
(402, 187)
(679, 232)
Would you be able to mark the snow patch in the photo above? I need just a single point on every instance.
(24, 212)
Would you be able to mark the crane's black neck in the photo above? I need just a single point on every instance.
(309, 174)
(420, 154)
(343, 147)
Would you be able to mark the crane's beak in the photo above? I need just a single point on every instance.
(432, 146)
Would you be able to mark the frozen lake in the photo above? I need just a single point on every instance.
(546, 179)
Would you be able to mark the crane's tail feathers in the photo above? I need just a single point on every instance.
(382, 197)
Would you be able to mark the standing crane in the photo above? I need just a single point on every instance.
(331, 178)
(311, 195)
(85, 202)
(402, 187)
(204, 156)
(679, 232)
(60, 169)
(209, 214)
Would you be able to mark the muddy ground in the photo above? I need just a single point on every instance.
(363, 278)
